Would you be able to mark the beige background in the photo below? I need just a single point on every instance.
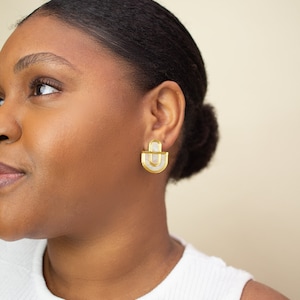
(245, 207)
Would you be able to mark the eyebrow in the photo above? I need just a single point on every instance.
(43, 57)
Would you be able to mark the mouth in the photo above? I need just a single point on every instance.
(9, 175)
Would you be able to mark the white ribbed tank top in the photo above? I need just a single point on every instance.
(195, 277)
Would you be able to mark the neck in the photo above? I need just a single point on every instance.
(125, 263)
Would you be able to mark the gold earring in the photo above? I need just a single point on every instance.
(154, 160)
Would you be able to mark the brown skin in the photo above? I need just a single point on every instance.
(78, 142)
(257, 291)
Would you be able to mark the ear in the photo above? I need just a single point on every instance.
(164, 114)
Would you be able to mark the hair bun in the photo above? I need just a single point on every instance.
(199, 144)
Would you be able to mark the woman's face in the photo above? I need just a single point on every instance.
(72, 128)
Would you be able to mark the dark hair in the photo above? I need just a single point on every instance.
(159, 48)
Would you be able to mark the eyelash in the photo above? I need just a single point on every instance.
(38, 82)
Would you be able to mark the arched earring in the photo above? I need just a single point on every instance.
(154, 160)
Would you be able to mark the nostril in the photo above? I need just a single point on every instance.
(3, 138)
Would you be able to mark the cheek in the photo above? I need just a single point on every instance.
(79, 156)
(68, 147)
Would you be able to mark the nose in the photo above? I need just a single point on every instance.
(10, 129)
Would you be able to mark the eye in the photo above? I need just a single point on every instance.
(43, 87)
(1, 101)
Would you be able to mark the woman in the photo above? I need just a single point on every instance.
(102, 105)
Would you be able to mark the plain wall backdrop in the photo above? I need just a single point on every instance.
(245, 207)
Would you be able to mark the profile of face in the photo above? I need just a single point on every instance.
(72, 127)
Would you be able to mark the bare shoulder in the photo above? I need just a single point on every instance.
(257, 291)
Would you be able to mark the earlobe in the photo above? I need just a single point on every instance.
(167, 106)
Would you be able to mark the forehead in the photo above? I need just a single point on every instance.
(41, 34)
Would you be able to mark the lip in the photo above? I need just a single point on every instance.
(9, 175)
